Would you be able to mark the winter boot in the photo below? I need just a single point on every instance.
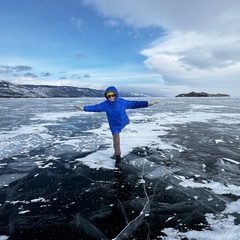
(118, 161)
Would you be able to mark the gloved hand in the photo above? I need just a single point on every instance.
(79, 108)
(152, 103)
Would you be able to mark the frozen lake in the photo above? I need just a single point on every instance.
(179, 177)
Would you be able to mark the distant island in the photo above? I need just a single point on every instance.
(202, 94)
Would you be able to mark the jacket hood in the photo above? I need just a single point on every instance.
(111, 89)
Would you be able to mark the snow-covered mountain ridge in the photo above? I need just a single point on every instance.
(9, 90)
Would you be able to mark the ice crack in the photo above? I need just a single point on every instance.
(135, 223)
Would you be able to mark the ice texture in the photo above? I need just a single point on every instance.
(179, 176)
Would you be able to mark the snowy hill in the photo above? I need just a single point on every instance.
(9, 90)
(65, 91)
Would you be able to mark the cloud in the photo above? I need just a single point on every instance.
(5, 67)
(195, 51)
(45, 74)
(18, 68)
(185, 58)
(22, 68)
(112, 23)
(76, 22)
(31, 75)
(185, 15)
(16, 71)
(200, 44)
(75, 76)
(5, 71)
(16, 75)
(192, 44)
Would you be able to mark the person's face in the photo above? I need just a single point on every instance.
(111, 97)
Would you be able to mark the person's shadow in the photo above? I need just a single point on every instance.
(121, 195)
(118, 183)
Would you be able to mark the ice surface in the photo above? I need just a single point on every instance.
(3, 237)
(179, 154)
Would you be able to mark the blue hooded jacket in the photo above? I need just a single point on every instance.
(115, 110)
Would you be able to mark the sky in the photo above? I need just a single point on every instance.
(162, 48)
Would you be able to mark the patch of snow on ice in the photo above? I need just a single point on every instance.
(216, 187)
(220, 229)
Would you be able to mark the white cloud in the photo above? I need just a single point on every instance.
(198, 49)
(76, 22)
(201, 47)
(112, 23)
(172, 14)
(193, 54)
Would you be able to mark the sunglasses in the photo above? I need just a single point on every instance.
(112, 95)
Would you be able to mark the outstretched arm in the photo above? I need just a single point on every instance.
(153, 103)
(94, 108)
(138, 104)
(79, 107)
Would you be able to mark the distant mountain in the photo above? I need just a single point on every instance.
(64, 91)
(202, 94)
(9, 90)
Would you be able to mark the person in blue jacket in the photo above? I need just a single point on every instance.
(115, 108)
